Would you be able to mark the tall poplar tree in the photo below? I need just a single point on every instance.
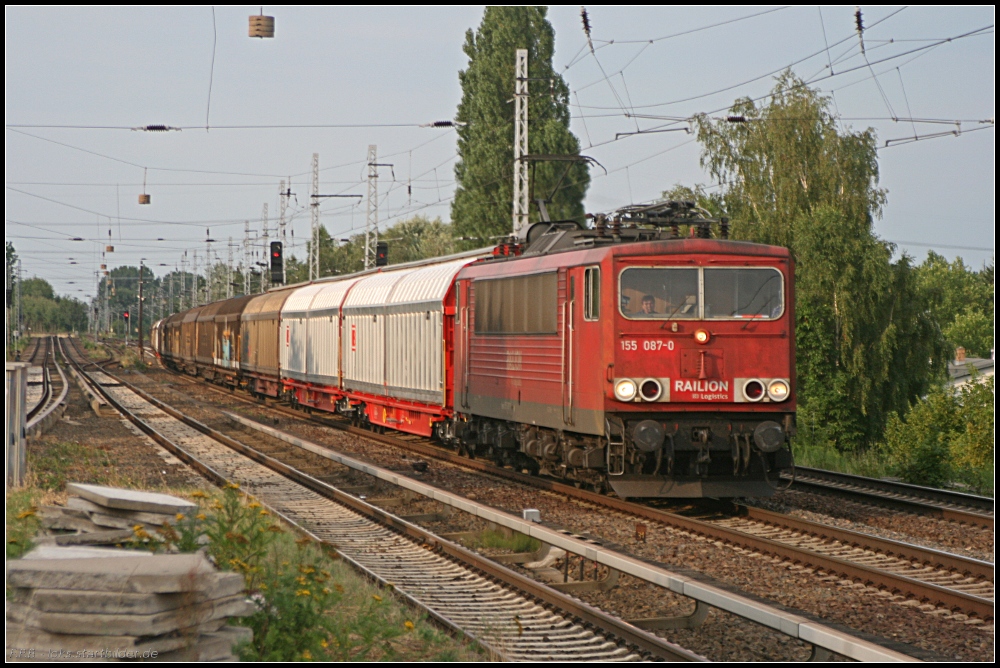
(867, 343)
(482, 207)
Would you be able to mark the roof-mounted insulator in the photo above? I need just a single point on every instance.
(736, 119)
(156, 128)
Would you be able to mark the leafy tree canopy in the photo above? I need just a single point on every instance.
(485, 171)
(962, 301)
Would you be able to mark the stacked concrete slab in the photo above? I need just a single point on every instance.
(97, 515)
(100, 603)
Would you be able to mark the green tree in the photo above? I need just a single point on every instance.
(485, 170)
(45, 312)
(962, 301)
(866, 342)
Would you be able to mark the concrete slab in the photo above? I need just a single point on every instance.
(100, 602)
(130, 499)
(216, 646)
(62, 522)
(83, 505)
(44, 643)
(73, 623)
(101, 537)
(60, 511)
(112, 522)
(159, 573)
(81, 552)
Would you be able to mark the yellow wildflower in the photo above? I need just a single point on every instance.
(339, 588)
(323, 643)
(274, 528)
(179, 516)
(307, 655)
(253, 504)
(326, 590)
(377, 597)
(301, 579)
(303, 592)
(201, 516)
(199, 495)
(232, 485)
(264, 513)
(408, 624)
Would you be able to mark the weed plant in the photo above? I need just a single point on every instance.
(22, 521)
(310, 606)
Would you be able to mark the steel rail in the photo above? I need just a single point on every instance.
(46, 394)
(52, 407)
(956, 506)
(924, 591)
(643, 641)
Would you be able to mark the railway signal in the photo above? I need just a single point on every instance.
(381, 254)
(277, 263)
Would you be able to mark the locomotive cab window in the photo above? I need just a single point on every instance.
(592, 293)
(649, 293)
(743, 293)
(716, 293)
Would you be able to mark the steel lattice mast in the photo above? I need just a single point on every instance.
(371, 225)
(521, 142)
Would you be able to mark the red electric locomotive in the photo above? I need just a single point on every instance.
(630, 355)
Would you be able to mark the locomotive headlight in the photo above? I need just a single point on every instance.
(754, 390)
(777, 390)
(702, 336)
(625, 389)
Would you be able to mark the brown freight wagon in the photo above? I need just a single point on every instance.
(228, 341)
(260, 362)
(171, 346)
(204, 354)
(189, 340)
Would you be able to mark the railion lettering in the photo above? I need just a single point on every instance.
(701, 386)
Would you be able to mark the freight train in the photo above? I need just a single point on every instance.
(646, 352)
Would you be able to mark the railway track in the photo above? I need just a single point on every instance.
(516, 618)
(39, 388)
(956, 506)
(939, 578)
(46, 398)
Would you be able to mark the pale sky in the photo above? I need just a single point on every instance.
(106, 70)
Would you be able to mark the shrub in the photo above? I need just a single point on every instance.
(972, 446)
(917, 446)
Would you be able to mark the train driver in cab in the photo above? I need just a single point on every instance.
(648, 305)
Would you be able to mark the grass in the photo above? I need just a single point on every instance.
(22, 522)
(500, 540)
(871, 464)
(51, 464)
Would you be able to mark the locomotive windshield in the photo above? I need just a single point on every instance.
(674, 293)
